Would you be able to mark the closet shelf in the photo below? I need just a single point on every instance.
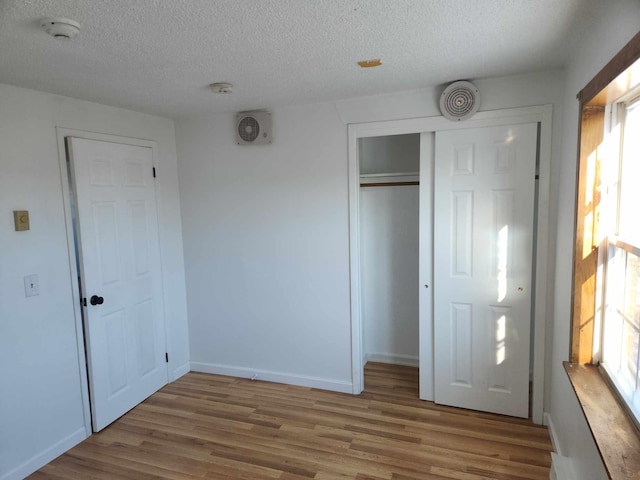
(389, 184)
(389, 179)
(394, 174)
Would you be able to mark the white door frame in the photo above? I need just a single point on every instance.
(541, 114)
(61, 134)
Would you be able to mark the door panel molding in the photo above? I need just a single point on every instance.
(543, 116)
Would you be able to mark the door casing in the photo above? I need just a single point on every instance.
(543, 116)
(74, 273)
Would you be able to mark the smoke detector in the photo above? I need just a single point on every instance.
(61, 28)
(220, 87)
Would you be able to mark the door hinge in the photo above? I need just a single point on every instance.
(154, 172)
(166, 357)
(83, 302)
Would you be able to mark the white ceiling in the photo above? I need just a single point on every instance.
(159, 56)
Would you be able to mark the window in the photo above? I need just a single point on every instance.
(606, 282)
(607, 210)
(619, 273)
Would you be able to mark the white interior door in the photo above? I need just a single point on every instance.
(121, 282)
(483, 257)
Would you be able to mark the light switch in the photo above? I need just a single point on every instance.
(21, 220)
(31, 286)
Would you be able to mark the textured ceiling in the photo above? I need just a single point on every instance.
(159, 56)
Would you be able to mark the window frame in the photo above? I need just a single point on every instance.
(609, 86)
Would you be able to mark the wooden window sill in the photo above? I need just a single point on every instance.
(613, 431)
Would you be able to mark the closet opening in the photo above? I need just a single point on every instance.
(475, 177)
(389, 179)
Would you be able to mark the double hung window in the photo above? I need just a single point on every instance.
(605, 323)
(619, 265)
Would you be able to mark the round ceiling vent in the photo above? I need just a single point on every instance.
(61, 28)
(460, 101)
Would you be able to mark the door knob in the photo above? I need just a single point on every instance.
(96, 300)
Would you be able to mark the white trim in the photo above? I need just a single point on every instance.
(542, 255)
(41, 459)
(357, 361)
(548, 422)
(180, 371)
(561, 468)
(392, 359)
(434, 124)
(425, 267)
(277, 377)
(541, 114)
(61, 134)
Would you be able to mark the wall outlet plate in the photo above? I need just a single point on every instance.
(21, 220)
(31, 286)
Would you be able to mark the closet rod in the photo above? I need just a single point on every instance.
(389, 184)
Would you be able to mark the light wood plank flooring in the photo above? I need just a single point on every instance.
(214, 427)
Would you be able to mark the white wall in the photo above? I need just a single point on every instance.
(610, 30)
(389, 154)
(41, 408)
(264, 233)
(389, 273)
(266, 230)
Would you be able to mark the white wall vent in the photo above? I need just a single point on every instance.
(253, 128)
(460, 101)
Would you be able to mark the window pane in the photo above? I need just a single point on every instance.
(629, 226)
(621, 339)
(631, 290)
(613, 320)
(621, 312)
(629, 367)
(612, 348)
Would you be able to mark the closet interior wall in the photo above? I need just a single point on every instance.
(389, 208)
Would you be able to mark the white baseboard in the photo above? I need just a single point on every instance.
(394, 359)
(180, 371)
(278, 377)
(561, 468)
(41, 459)
(548, 422)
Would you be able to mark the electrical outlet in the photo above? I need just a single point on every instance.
(31, 286)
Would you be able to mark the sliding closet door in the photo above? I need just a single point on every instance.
(483, 218)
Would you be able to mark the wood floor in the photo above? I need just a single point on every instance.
(214, 427)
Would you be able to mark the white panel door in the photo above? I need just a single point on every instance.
(483, 257)
(121, 283)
